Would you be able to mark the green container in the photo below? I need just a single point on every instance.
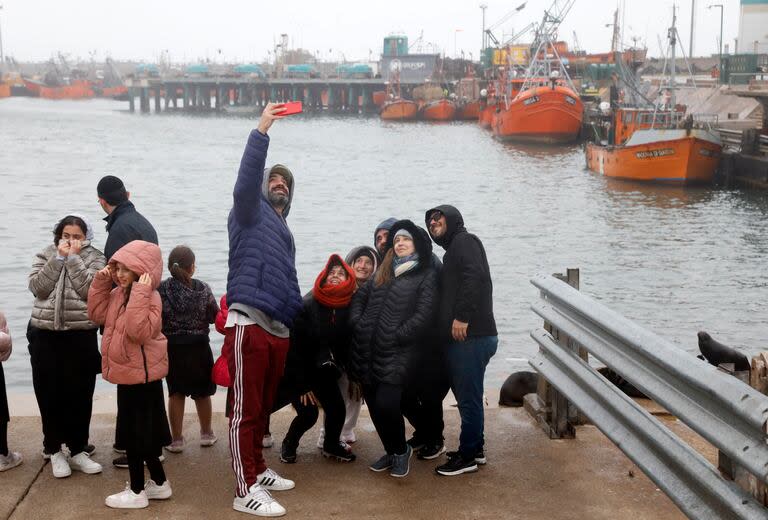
(740, 65)
(396, 46)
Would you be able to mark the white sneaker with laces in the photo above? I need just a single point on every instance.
(155, 492)
(267, 441)
(60, 465)
(272, 481)
(258, 502)
(82, 462)
(10, 461)
(127, 499)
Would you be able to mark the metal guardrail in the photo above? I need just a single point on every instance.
(726, 412)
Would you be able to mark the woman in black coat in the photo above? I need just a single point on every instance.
(390, 316)
(320, 339)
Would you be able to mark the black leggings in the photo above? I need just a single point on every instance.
(326, 389)
(136, 469)
(423, 399)
(64, 368)
(384, 405)
(3, 438)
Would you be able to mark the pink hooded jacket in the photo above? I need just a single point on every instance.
(133, 349)
(5, 339)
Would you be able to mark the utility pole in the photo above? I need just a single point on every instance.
(720, 51)
(693, 24)
(2, 56)
(483, 7)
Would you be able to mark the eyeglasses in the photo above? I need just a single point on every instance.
(436, 216)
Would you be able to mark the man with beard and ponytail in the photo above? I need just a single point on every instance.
(263, 299)
(317, 359)
(466, 323)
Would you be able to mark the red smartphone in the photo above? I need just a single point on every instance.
(291, 107)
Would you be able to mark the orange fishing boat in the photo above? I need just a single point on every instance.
(469, 110)
(399, 110)
(655, 144)
(543, 114)
(486, 110)
(5, 89)
(439, 110)
(77, 89)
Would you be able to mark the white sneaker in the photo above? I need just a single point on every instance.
(10, 461)
(176, 446)
(274, 482)
(60, 465)
(82, 462)
(208, 439)
(155, 492)
(321, 438)
(267, 441)
(127, 499)
(258, 502)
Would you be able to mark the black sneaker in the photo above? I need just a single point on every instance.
(457, 465)
(122, 462)
(118, 449)
(479, 456)
(340, 453)
(415, 444)
(287, 453)
(431, 451)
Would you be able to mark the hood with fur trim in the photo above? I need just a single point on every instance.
(421, 240)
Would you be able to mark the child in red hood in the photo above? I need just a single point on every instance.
(134, 356)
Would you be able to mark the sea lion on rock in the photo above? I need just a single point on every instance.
(517, 386)
(717, 353)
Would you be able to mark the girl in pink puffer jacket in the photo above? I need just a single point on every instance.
(134, 356)
(8, 459)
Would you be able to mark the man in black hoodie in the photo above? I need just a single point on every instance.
(466, 322)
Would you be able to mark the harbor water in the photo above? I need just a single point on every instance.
(675, 260)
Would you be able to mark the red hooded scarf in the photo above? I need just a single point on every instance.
(335, 296)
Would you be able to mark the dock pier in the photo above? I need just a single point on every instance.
(352, 96)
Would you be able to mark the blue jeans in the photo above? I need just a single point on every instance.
(466, 362)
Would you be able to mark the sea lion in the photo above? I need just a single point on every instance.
(717, 353)
(517, 386)
(622, 384)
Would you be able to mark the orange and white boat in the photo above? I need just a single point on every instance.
(469, 110)
(657, 152)
(542, 114)
(439, 110)
(399, 110)
(5, 89)
(656, 144)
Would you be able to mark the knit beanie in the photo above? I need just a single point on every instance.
(112, 190)
(402, 232)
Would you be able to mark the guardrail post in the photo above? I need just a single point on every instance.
(757, 378)
(555, 414)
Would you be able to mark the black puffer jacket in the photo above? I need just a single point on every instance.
(319, 334)
(390, 322)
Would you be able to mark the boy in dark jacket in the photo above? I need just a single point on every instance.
(468, 327)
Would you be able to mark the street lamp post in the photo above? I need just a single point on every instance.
(720, 51)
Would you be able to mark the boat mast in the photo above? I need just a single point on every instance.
(672, 35)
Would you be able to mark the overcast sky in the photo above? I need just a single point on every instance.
(244, 30)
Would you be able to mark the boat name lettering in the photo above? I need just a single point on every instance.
(708, 153)
(570, 100)
(649, 154)
(531, 100)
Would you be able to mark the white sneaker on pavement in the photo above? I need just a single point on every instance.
(267, 441)
(258, 502)
(127, 499)
(272, 481)
(155, 492)
(82, 462)
(10, 461)
(208, 439)
(60, 465)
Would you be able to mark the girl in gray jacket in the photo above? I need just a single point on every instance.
(8, 459)
(63, 344)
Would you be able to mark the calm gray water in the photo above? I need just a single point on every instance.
(674, 260)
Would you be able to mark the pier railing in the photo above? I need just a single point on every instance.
(734, 140)
(729, 414)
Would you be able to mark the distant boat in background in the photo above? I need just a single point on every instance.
(439, 110)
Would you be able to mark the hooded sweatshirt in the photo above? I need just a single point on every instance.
(133, 348)
(467, 290)
(357, 252)
(188, 310)
(385, 225)
(262, 281)
(60, 285)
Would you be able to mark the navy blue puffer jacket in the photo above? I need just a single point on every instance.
(262, 269)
